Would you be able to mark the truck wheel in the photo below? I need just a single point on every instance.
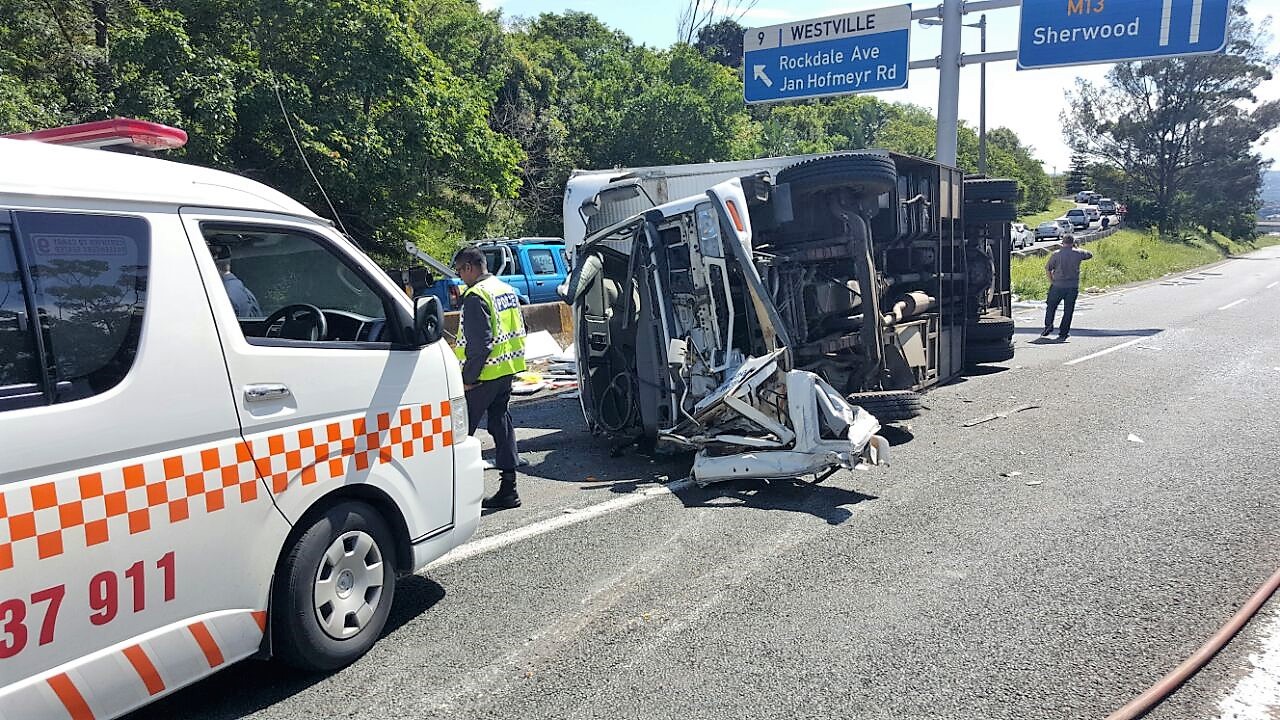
(990, 328)
(992, 189)
(334, 588)
(988, 352)
(889, 405)
(983, 212)
(869, 172)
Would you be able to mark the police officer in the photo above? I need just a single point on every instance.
(491, 350)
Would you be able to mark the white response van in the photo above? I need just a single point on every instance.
(224, 432)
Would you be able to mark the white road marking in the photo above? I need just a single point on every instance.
(1257, 695)
(1273, 284)
(1108, 351)
(1165, 17)
(510, 537)
(1233, 304)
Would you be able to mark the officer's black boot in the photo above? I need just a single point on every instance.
(506, 497)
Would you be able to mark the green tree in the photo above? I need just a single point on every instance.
(1078, 176)
(721, 42)
(399, 140)
(1180, 126)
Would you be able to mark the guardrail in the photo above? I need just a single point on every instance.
(554, 317)
(1047, 249)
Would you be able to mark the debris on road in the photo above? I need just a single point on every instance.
(527, 383)
(1033, 483)
(564, 363)
(1135, 439)
(539, 345)
(998, 416)
(1014, 473)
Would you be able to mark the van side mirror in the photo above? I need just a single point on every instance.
(428, 319)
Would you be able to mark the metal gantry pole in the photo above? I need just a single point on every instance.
(949, 82)
(982, 102)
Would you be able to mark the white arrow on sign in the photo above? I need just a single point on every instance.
(758, 73)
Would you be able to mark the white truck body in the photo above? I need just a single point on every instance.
(661, 184)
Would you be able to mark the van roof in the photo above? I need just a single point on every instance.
(39, 169)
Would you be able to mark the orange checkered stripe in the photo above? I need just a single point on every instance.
(45, 519)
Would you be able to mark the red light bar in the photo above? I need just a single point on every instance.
(138, 134)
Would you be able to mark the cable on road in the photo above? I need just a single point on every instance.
(1157, 693)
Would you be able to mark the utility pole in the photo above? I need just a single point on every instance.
(949, 82)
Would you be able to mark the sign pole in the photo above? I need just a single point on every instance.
(949, 82)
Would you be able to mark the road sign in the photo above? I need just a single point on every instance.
(837, 55)
(1081, 32)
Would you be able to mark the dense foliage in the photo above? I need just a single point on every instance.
(428, 120)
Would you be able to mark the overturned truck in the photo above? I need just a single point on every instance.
(777, 311)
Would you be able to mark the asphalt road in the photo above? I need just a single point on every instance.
(1039, 565)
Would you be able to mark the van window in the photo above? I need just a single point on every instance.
(89, 287)
(542, 261)
(274, 277)
(20, 377)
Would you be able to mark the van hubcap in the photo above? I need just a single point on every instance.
(348, 584)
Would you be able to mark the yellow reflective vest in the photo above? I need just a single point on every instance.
(506, 327)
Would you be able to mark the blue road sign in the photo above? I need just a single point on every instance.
(1081, 32)
(837, 55)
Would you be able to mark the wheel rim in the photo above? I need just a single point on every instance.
(348, 584)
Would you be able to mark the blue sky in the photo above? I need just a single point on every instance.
(1029, 102)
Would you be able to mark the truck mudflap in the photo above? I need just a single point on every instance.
(768, 423)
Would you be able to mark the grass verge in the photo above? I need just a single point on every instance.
(1130, 256)
(1057, 208)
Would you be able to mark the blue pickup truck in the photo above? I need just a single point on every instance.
(534, 266)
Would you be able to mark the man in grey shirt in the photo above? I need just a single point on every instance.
(1063, 270)
(242, 298)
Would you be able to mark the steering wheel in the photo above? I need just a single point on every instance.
(301, 322)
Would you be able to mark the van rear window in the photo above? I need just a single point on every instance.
(87, 281)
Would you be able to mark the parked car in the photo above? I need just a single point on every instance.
(1068, 229)
(1094, 215)
(1049, 230)
(1107, 206)
(1083, 196)
(535, 267)
(1020, 235)
(1078, 217)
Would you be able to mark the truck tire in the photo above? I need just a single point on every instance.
(989, 212)
(990, 328)
(333, 588)
(870, 172)
(889, 405)
(987, 352)
(995, 189)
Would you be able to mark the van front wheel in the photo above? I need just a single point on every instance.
(334, 588)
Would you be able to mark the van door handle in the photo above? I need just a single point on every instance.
(266, 391)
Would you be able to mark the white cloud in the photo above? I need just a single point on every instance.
(487, 5)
